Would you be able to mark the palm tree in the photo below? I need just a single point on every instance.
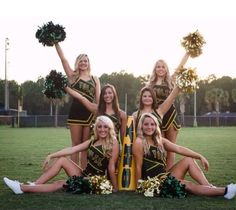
(59, 103)
(182, 99)
(215, 98)
(234, 95)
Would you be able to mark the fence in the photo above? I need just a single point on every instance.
(208, 121)
(50, 121)
(39, 121)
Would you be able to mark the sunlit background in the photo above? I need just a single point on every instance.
(117, 35)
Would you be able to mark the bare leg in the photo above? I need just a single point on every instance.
(171, 135)
(83, 155)
(197, 189)
(68, 165)
(76, 138)
(43, 188)
(189, 165)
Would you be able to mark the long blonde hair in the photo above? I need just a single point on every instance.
(156, 137)
(153, 78)
(109, 142)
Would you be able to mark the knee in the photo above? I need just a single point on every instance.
(62, 160)
(188, 160)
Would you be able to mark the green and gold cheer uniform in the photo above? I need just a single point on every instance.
(97, 161)
(154, 163)
(170, 118)
(79, 114)
(117, 124)
(154, 166)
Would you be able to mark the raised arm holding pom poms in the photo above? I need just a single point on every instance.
(162, 84)
(79, 79)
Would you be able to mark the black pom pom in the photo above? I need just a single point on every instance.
(54, 85)
(49, 34)
(77, 185)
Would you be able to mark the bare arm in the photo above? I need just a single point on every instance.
(98, 89)
(182, 62)
(169, 146)
(138, 158)
(69, 72)
(164, 107)
(92, 107)
(67, 151)
(112, 164)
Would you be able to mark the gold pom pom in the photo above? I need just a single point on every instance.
(100, 185)
(187, 79)
(193, 43)
(151, 186)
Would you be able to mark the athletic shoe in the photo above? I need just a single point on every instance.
(31, 183)
(13, 185)
(231, 191)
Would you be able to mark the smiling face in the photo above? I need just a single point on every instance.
(102, 129)
(108, 95)
(148, 126)
(147, 98)
(160, 69)
(83, 64)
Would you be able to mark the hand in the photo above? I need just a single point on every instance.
(204, 163)
(46, 162)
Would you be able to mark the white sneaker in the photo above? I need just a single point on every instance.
(31, 183)
(13, 185)
(231, 191)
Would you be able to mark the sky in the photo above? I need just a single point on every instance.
(117, 35)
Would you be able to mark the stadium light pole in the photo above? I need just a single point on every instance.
(6, 73)
(195, 109)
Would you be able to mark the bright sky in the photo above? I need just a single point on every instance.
(118, 35)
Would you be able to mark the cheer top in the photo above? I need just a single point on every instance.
(79, 114)
(97, 161)
(170, 118)
(154, 163)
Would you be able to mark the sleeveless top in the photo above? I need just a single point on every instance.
(115, 119)
(79, 114)
(97, 161)
(170, 118)
(154, 163)
(161, 92)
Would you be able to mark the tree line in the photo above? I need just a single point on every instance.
(213, 95)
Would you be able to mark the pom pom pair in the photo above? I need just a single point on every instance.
(164, 186)
(90, 185)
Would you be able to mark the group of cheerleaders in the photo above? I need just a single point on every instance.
(97, 127)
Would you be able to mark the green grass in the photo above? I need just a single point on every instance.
(23, 150)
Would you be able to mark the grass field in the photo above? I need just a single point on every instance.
(23, 150)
